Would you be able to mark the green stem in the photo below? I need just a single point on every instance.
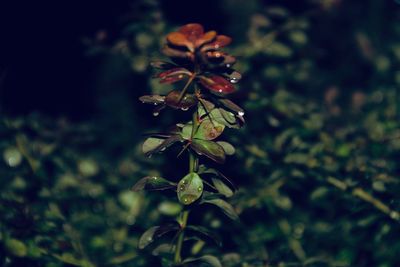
(184, 216)
(184, 219)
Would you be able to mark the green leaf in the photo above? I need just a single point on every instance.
(222, 188)
(203, 233)
(224, 206)
(187, 131)
(163, 249)
(211, 171)
(190, 188)
(207, 259)
(228, 148)
(210, 149)
(204, 107)
(155, 233)
(209, 130)
(16, 247)
(153, 183)
(169, 208)
(151, 143)
(154, 145)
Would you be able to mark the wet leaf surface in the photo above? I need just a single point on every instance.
(209, 149)
(190, 188)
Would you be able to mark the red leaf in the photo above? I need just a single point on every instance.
(192, 31)
(217, 84)
(173, 75)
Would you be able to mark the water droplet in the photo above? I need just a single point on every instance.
(150, 238)
(233, 80)
(155, 178)
(228, 65)
(155, 113)
(200, 189)
(185, 200)
(220, 90)
(241, 113)
(184, 182)
(185, 108)
(163, 149)
(155, 104)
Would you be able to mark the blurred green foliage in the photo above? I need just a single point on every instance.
(317, 163)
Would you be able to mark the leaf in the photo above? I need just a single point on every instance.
(162, 65)
(16, 247)
(224, 117)
(222, 188)
(204, 170)
(187, 131)
(152, 99)
(220, 41)
(173, 99)
(150, 144)
(155, 233)
(207, 259)
(231, 106)
(178, 39)
(224, 206)
(209, 130)
(173, 75)
(190, 188)
(228, 148)
(215, 83)
(204, 232)
(162, 249)
(154, 145)
(153, 183)
(210, 149)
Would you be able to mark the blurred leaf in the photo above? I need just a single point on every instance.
(155, 233)
(203, 232)
(16, 247)
(206, 259)
(222, 188)
(224, 206)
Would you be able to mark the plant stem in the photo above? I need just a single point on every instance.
(184, 218)
(193, 165)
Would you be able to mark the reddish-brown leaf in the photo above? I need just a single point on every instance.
(217, 84)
